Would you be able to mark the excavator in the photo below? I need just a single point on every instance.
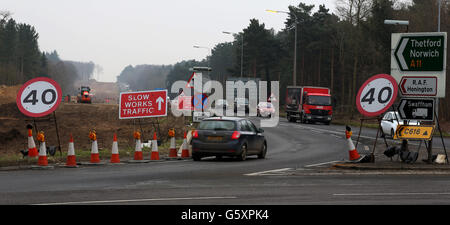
(83, 96)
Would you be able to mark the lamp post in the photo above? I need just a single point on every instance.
(242, 50)
(210, 53)
(294, 75)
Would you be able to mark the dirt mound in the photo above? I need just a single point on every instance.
(8, 94)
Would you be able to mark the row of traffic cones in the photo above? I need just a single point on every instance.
(71, 159)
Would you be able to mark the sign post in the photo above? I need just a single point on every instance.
(374, 97)
(39, 97)
(418, 64)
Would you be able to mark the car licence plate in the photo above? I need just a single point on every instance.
(214, 138)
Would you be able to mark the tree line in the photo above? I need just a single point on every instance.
(21, 59)
(338, 50)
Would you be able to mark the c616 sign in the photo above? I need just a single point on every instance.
(39, 97)
(376, 95)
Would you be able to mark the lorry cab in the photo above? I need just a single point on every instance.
(316, 107)
(308, 104)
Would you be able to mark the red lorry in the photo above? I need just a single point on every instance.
(308, 104)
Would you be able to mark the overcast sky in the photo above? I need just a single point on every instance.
(115, 33)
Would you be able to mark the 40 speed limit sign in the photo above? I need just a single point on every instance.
(376, 95)
(39, 97)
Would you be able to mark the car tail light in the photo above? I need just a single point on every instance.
(195, 134)
(235, 135)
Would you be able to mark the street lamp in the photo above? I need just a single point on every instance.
(398, 22)
(294, 75)
(242, 50)
(210, 52)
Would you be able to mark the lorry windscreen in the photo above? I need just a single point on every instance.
(319, 100)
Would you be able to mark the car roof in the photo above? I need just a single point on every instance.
(224, 118)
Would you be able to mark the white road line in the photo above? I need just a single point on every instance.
(138, 200)
(324, 163)
(388, 194)
(267, 171)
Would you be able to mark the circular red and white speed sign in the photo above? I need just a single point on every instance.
(39, 97)
(376, 95)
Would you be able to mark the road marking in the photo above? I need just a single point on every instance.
(137, 200)
(320, 164)
(267, 172)
(388, 194)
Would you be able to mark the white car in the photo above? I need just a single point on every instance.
(390, 122)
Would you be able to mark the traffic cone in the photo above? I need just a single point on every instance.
(71, 160)
(138, 149)
(155, 153)
(185, 149)
(172, 148)
(95, 158)
(32, 151)
(42, 160)
(353, 153)
(115, 151)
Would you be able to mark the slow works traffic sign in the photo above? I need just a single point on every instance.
(143, 104)
(416, 109)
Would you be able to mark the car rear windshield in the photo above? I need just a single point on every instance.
(217, 125)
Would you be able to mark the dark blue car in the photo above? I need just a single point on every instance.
(228, 136)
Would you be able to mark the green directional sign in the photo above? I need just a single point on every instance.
(420, 53)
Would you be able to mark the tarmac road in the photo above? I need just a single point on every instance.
(289, 175)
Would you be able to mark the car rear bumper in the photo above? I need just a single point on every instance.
(231, 148)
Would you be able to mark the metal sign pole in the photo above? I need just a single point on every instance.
(57, 134)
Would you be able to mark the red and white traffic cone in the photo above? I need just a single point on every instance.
(115, 151)
(172, 149)
(138, 148)
(353, 153)
(42, 160)
(32, 150)
(95, 156)
(155, 152)
(71, 160)
(185, 149)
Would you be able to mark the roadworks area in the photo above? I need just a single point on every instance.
(78, 120)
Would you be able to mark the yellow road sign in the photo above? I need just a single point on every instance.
(414, 132)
